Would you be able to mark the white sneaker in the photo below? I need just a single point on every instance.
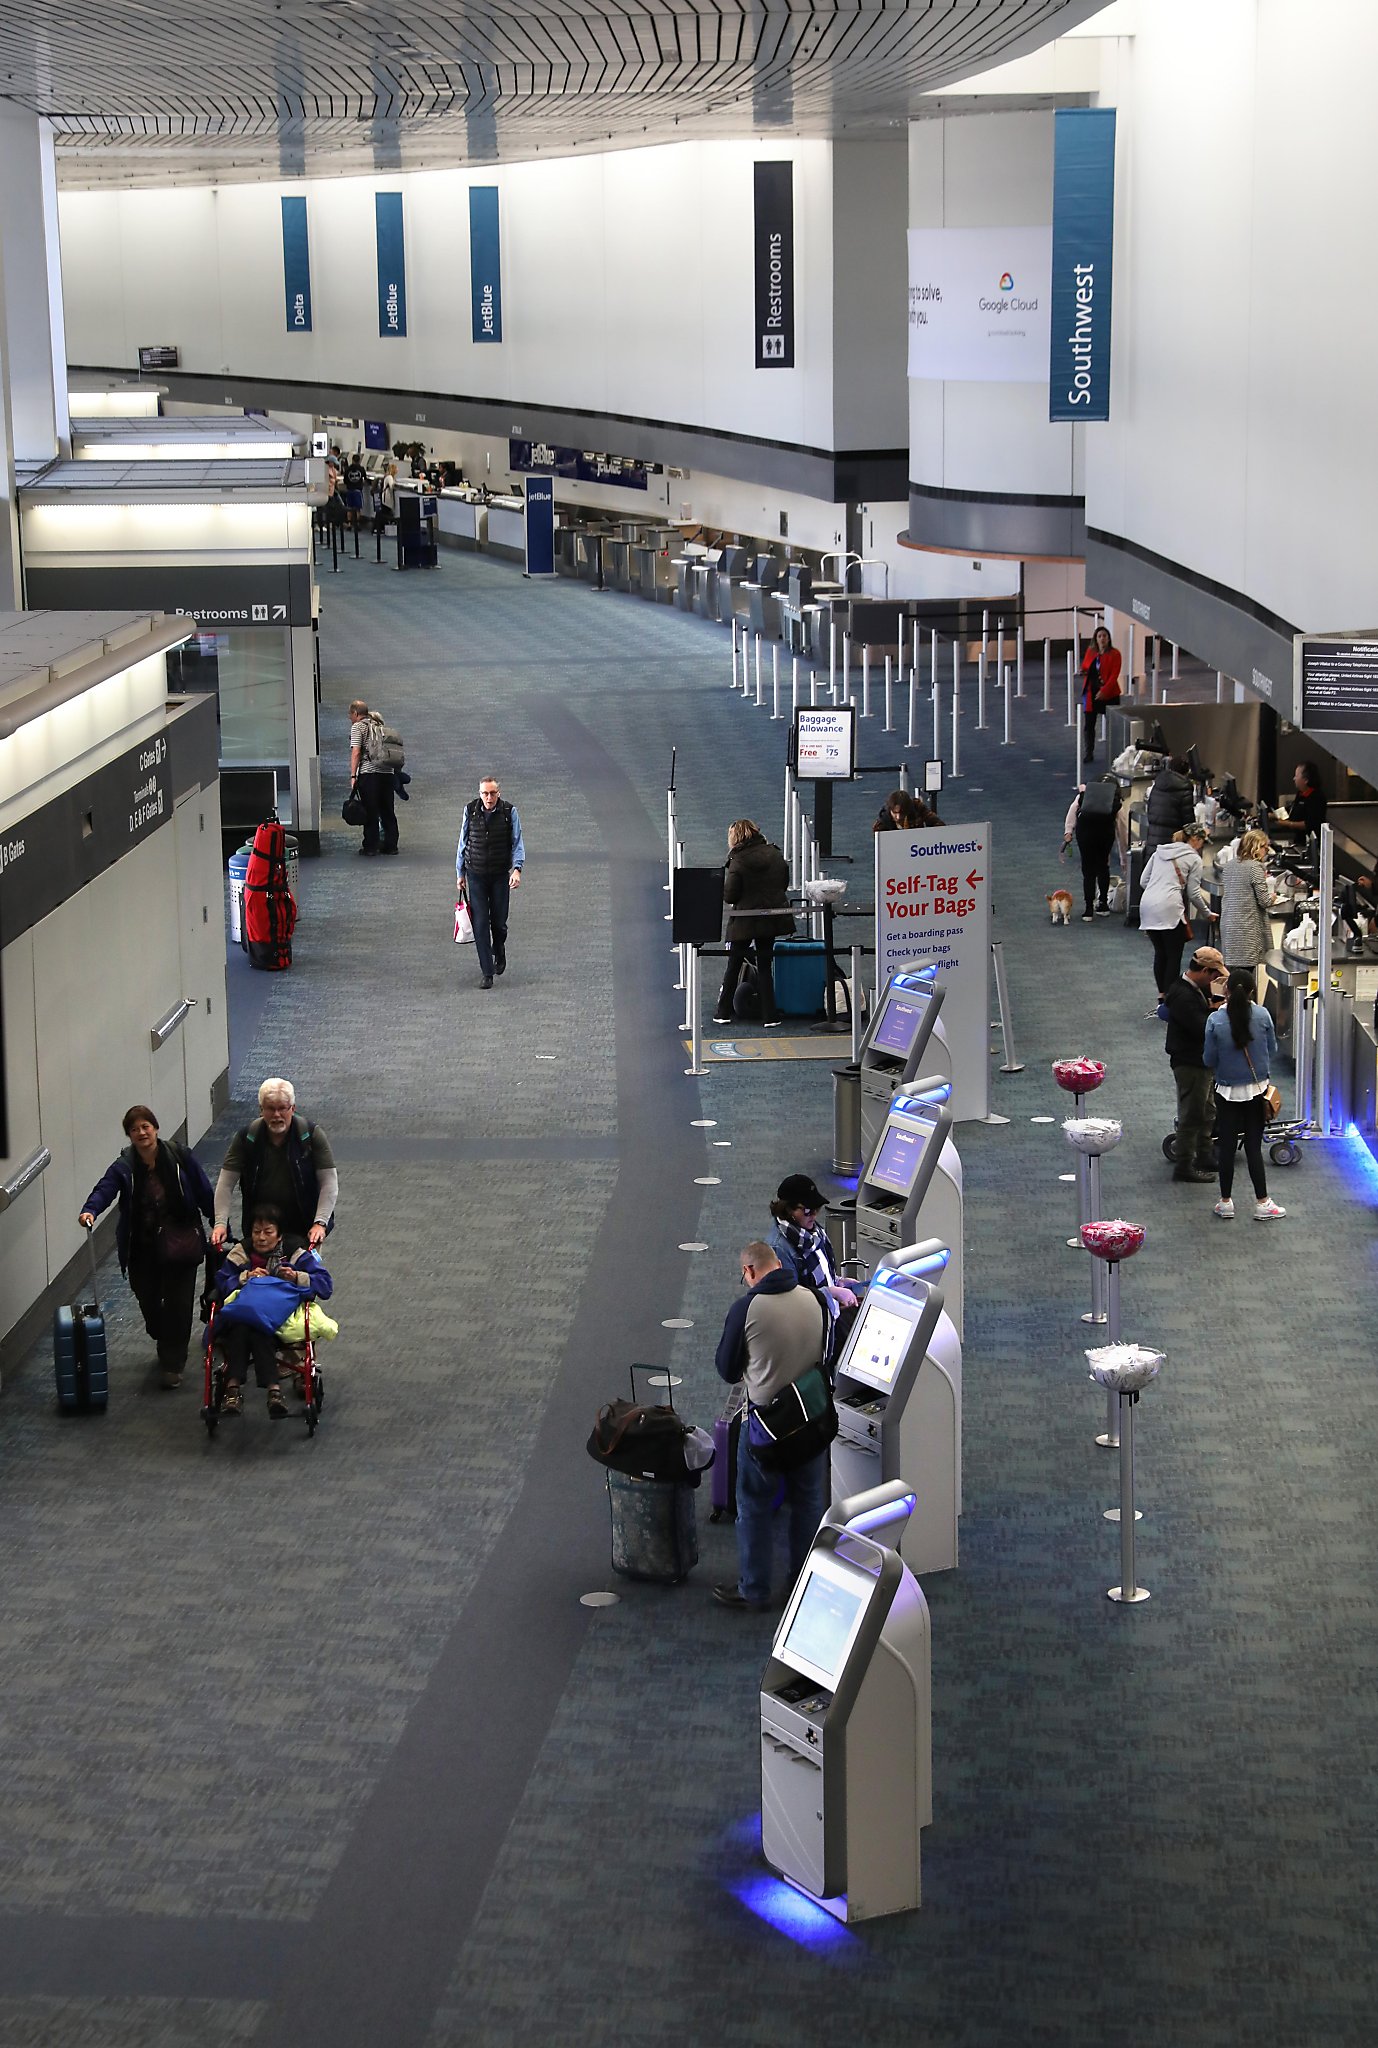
(1265, 1210)
(1225, 1209)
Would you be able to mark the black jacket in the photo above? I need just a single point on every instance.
(756, 878)
(1171, 806)
(1188, 1008)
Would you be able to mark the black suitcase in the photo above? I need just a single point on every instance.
(79, 1354)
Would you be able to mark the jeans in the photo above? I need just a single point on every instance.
(1195, 1106)
(379, 799)
(737, 950)
(166, 1296)
(489, 896)
(806, 1496)
(1095, 837)
(1232, 1119)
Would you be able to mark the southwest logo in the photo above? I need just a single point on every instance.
(1006, 282)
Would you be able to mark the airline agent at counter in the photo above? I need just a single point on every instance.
(1308, 808)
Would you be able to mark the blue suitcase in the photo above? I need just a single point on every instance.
(800, 969)
(79, 1353)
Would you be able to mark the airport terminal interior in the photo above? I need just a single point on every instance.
(679, 429)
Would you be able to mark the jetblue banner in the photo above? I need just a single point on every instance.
(774, 246)
(485, 263)
(376, 434)
(540, 526)
(296, 266)
(1083, 245)
(392, 263)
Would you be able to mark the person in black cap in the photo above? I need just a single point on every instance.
(1188, 1002)
(803, 1247)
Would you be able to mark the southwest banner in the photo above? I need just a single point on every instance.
(485, 264)
(392, 264)
(774, 245)
(1083, 246)
(978, 304)
(296, 266)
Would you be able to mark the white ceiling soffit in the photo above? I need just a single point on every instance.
(144, 94)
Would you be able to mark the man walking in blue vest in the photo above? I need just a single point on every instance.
(488, 865)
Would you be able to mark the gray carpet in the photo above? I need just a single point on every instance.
(313, 1742)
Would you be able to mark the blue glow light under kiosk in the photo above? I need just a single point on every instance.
(1360, 1150)
(942, 1093)
(916, 978)
(881, 1518)
(792, 1913)
(913, 1269)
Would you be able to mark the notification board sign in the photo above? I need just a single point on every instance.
(1337, 683)
(933, 905)
(824, 743)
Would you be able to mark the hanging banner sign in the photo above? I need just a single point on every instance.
(376, 434)
(540, 526)
(933, 904)
(485, 263)
(296, 266)
(774, 202)
(978, 304)
(392, 264)
(1083, 246)
(576, 465)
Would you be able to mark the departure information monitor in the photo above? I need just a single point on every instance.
(1339, 685)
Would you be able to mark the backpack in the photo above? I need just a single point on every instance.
(385, 747)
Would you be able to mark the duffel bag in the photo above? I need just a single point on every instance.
(647, 1442)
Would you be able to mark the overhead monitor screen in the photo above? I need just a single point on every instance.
(899, 1159)
(1339, 685)
(823, 1625)
(900, 1024)
(879, 1344)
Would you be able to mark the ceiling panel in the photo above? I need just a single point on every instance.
(142, 94)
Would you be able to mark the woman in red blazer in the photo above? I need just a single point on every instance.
(1100, 685)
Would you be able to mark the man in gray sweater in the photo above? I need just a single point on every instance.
(773, 1334)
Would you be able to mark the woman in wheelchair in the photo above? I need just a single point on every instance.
(256, 1289)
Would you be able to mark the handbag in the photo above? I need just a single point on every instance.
(1272, 1094)
(795, 1426)
(464, 923)
(352, 809)
(179, 1244)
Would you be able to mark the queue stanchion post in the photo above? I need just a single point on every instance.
(1012, 1065)
(1129, 640)
(1157, 663)
(813, 687)
(933, 661)
(981, 691)
(1071, 691)
(913, 739)
(832, 659)
(857, 1032)
(786, 839)
(846, 668)
(1008, 740)
(937, 710)
(866, 680)
(734, 654)
(1176, 651)
(759, 699)
(774, 681)
(793, 683)
(999, 644)
(956, 708)
(1019, 659)
(1047, 674)
(985, 634)
(695, 1065)
(1219, 687)
(889, 708)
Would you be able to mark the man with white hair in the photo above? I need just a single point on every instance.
(281, 1160)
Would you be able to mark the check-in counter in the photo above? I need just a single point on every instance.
(653, 572)
(617, 567)
(590, 556)
(463, 520)
(507, 528)
(684, 563)
(706, 587)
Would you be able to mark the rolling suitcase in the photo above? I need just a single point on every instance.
(800, 973)
(654, 1535)
(79, 1355)
(726, 1433)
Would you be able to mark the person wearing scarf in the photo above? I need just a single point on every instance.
(803, 1247)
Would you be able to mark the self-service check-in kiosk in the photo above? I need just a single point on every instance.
(899, 1402)
(911, 1186)
(904, 1037)
(846, 1718)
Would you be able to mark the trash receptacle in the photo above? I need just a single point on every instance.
(847, 1158)
(654, 1529)
(237, 869)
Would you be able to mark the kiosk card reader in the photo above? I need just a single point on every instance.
(899, 1402)
(912, 1185)
(846, 1718)
(904, 1037)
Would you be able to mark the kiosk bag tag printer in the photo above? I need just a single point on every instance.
(904, 1037)
(911, 1187)
(899, 1403)
(846, 1718)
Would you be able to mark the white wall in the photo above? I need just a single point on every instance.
(870, 279)
(986, 171)
(627, 285)
(1243, 439)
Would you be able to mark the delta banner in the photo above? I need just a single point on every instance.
(296, 266)
(392, 264)
(1083, 246)
(978, 304)
(485, 263)
(774, 246)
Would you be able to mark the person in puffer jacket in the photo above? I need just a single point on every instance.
(755, 882)
(257, 1288)
(1171, 805)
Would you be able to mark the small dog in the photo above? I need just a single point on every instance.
(1060, 904)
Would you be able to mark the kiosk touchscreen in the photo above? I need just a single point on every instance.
(846, 1718)
(899, 1402)
(904, 1036)
(912, 1186)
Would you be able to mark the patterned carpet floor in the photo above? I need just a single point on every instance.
(313, 1742)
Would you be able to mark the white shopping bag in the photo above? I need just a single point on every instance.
(464, 924)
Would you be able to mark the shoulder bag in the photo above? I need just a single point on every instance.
(795, 1426)
(1272, 1094)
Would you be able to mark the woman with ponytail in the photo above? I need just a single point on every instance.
(1240, 1047)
